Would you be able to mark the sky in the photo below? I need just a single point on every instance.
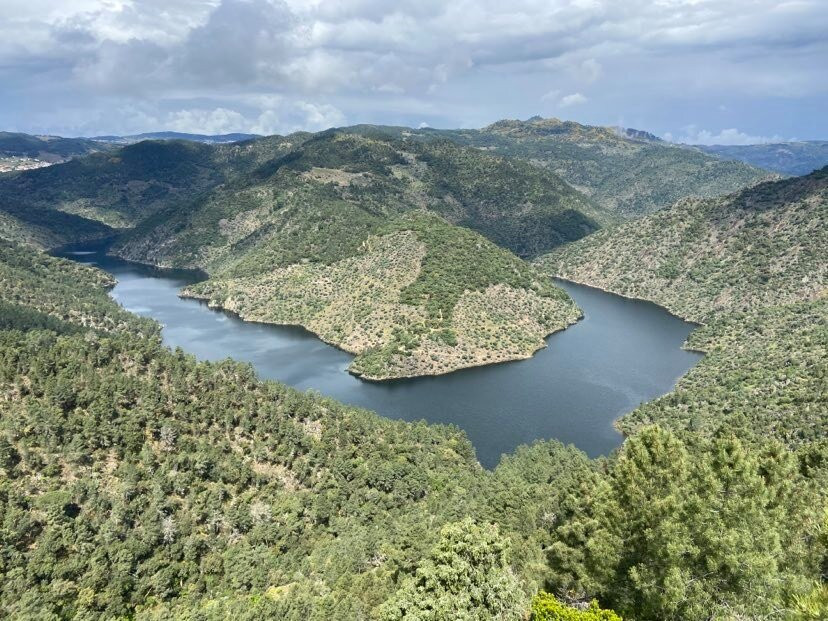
(697, 71)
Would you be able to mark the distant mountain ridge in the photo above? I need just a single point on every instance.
(627, 171)
(49, 149)
(786, 158)
(167, 135)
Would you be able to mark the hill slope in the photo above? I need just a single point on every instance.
(628, 172)
(752, 267)
(419, 297)
(759, 247)
(121, 188)
(786, 158)
(351, 236)
(46, 148)
(323, 230)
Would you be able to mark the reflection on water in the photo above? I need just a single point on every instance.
(623, 352)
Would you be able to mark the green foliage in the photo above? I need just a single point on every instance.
(39, 291)
(546, 607)
(459, 260)
(752, 267)
(47, 149)
(138, 483)
(465, 578)
(764, 374)
(689, 529)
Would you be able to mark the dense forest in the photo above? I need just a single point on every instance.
(139, 483)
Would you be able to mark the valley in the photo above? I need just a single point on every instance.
(172, 445)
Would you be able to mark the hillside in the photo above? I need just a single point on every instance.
(138, 483)
(420, 297)
(118, 189)
(760, 247)
(751, 267)
(322, 231)
(629, 172)
(49, 149)
(786, 158)
(370, 177)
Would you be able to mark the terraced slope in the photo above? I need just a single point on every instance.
(628, 172)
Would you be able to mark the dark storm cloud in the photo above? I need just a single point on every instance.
(700, 68)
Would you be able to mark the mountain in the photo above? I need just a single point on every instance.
(95, 196)
(26, 152)
(45, 148)
(786, 158)
(206, 138)
(629, 172)
(752, 268)
(357, 239)
(419, 297)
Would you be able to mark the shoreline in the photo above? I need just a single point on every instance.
(370, 378)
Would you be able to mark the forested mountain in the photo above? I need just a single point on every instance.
(786, 158)
(367, 177)
(752, 267)
(46, 148)
(759, 247)
(121, 188)
(629, 172)
(342, 235)
(137, 483)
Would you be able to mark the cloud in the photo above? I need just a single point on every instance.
(575, 99)
(551, 95)
(217, 121)
(453, 62)
(732, 136)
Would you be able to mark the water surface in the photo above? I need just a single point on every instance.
(622, 353)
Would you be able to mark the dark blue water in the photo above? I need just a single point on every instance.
(623, 352)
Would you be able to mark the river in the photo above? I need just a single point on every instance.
(622, 353)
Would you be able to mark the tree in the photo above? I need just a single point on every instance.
(680, 530)
(466, 577)
(546, 607)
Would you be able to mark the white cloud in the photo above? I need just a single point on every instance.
(731, 136)
(575, 99)
(217, 121)
(455, 62)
